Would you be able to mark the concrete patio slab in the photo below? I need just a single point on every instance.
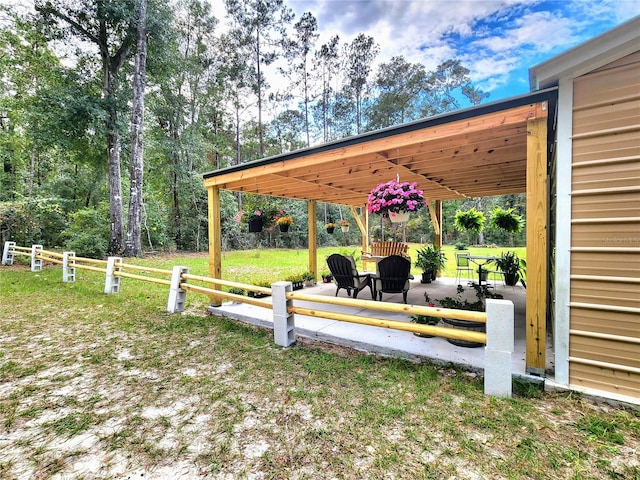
(389, 342)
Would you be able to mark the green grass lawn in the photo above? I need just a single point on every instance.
(112, 386)
(250, 266)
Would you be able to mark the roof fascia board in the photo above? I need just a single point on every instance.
(548, 95)
(588, 56)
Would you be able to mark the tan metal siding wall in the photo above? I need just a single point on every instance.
(604, 344)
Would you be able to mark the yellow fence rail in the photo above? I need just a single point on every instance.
(285, 303)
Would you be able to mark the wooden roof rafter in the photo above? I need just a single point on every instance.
(474, 152)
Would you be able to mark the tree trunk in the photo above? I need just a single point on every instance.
(136, 170)
(260, 134)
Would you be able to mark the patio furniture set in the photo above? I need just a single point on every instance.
(393, 270)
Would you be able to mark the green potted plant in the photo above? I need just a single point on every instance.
(309, 279)
(460, 303)
(261, 283)
(296, 280)
(512, 267)
(430, 260)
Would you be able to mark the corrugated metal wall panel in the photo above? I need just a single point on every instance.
(606, 117)
(604, 292)
(606, 147)
(603, 322)
(623, 204)
(604, 234)
(604, 341)
(602, 87)
(606, 380)
(606, 264)
(606, 351)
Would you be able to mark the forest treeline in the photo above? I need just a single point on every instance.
(110, 111)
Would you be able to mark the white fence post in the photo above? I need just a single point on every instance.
(112, 282)
(177, 295)
(7, 253)
(68, 273)
(36, 263)
(499, 349)
(283, 322)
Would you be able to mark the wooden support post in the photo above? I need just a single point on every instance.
(437, 241)
(537, 215)
(215, 240)
(313, 237)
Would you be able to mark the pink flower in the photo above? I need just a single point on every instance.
(395, 197)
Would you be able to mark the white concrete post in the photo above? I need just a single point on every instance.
(36, 263)
(68, 273)
(7, 253)
(112, 281)
(499, 349)
(177, 296)
(283, 322)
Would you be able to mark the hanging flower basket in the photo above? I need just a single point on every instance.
(344, 225)
(400, 217)
(393, 198)
(255, 225)
(330, 227)
(284, 222)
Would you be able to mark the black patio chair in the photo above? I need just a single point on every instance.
(345, 275)
(393, 275)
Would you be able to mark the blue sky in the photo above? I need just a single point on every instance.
(497, 40)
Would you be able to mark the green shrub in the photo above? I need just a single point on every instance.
(88, 234)
(33, 221)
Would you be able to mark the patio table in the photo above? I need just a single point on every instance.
(481, 260)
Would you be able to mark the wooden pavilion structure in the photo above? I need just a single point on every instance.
(494, 149)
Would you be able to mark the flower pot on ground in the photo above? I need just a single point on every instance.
(458, 303)
(430, 260)
(297, 281)
(512, 267)
(309, 279)
(424, 320)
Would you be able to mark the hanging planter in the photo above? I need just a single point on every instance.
(330, 227)
(395, 199)
(255, 225)
(400, 217)
(471, 220)
(284, 222)
(344, 225)
(506, 220)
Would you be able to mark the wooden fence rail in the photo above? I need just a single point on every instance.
(498, 317)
